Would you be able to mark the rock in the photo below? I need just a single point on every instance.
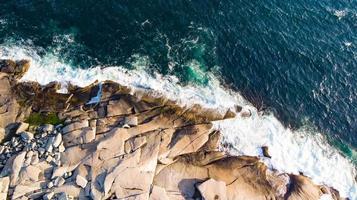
(134, 143)
(75, 126)
(88, 135)
(30, 173)
(48, 128)
(179, 179)
(63, 196)
(185, 142)
(118, 107)
(50, 185)
(302, 188)
(57, 141)
(81, 181)
(16, 69)
(49, 144)
(131, 120)
(26, 136)
(48, 196)
(4, 187)
(158, 193)
(21, 128)
(16, 167)
(61, 148)
(265, 151)
(59, 181)
(213, 190)
(21, 190)
(2, 134)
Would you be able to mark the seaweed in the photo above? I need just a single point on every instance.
(36, 119)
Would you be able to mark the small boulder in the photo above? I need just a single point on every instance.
(75, 126)
(81, 181)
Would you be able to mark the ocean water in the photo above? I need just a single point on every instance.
(292, 63)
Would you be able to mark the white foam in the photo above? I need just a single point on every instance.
(292, 151)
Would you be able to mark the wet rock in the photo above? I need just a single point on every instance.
(212, 189)
(265, 150)
(81, 181)
(4, 187)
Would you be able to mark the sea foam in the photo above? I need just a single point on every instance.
(297, 151)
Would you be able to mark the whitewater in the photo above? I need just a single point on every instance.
(300, 151)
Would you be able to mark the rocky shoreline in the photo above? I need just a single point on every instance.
(105, 141)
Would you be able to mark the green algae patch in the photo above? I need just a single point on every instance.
(36, 119)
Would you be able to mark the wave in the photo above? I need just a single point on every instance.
(300, 151)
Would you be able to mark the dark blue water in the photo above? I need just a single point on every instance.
(297, 59)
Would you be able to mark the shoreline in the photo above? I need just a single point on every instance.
(34, 97)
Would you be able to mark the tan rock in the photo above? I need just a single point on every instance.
(158, 193)
(189, 139)
(303, 188)
(75, 126)
(213, 190)
(131, 120)
(4, 187)
(22, 127)
(21, 190)
(118, 107)
(134, 143)
(16, 167)
(81, 181)
(88, 135)
(179, 179)
(30, 173)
